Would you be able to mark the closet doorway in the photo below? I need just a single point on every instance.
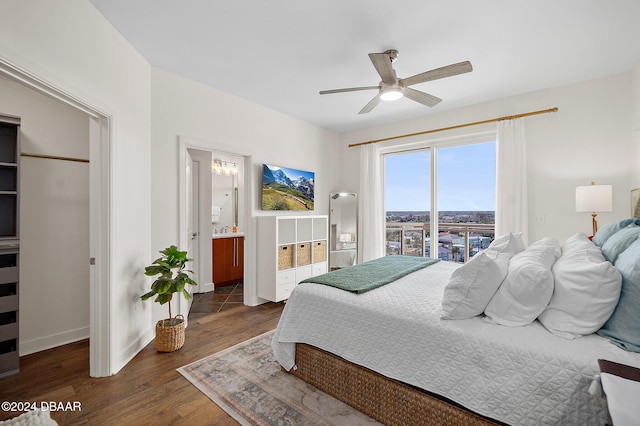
(37, 103)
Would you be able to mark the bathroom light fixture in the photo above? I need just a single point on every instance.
(223, 167)
(594, 198)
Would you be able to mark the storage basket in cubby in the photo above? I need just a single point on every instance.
(319, 251)
(285, 257)
(303, 254)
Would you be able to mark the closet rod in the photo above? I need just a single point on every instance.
(54, 157)
(508, 117)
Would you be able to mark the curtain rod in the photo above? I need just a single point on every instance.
(54, 157)
(508, 117)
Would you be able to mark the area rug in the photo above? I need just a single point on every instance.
(247, 382)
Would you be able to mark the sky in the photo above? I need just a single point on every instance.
(466, 179)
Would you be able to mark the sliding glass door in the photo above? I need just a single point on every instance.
(407, 195)
(466, 200)
(453, 184)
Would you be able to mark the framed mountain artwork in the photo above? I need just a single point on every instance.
(287, 189)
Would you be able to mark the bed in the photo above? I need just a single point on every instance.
(390, 353)
(342, 258)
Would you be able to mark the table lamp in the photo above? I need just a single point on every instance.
(594, 198)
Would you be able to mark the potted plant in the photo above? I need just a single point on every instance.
(172, 278)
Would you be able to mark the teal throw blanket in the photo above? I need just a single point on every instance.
(372, 274)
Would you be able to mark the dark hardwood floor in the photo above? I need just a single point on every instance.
(148, 390)
(222, 298)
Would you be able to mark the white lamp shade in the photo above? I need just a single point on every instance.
(594, 198)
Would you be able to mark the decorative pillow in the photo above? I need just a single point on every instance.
(579, 242)
(586, 291)
(508, 243)
(623, 327)
(528, 287)
(621, 385)
(619, 241)
(473, 284)
(547, 248)
(608, 229)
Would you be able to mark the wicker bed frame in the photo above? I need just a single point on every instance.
(386, 400)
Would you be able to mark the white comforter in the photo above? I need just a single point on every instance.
(517, 375)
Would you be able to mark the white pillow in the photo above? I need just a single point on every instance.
(587, 289)
(473, 284)
(621, 385)
(508, 243)
(578, 242)
(548, 248)
(528, 287)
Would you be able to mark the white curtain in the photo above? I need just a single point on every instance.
(511, 179)
(372, 225)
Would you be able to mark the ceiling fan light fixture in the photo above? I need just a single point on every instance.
(392, 88)
(391, 94)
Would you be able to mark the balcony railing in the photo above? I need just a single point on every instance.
(457, 242)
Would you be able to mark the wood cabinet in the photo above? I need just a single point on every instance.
(228, 260)
(290, 249)
(9, 245)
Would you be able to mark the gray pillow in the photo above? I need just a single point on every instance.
(623, 327)
(619, 241)
(608, 229)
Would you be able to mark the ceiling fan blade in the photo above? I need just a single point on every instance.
(382, 64)
(372, 103)
(447, 71)
(349, 89)
(421, 97)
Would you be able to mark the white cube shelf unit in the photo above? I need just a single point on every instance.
(290, 249)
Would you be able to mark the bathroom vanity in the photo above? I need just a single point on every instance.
(227, 258)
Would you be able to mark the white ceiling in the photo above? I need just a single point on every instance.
(280, 53)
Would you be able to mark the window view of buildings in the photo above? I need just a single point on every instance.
(461, 234)
(461, 179)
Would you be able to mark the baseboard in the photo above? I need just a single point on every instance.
(26, 347)
(205, 288)
(132, 350)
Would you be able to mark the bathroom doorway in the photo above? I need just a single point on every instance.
(236, 210)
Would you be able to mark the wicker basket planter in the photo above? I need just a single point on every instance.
(171, 278)
(170, 334)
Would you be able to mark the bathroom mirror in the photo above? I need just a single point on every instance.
(224, 201)
(343, 229)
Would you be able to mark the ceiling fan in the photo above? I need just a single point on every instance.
(391, 87)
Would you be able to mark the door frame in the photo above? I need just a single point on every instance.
(195, 217)
(246, 222)
(201, 265)
(100, 134)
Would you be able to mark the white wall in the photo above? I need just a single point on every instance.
(54, 219)
(225, 123)
(72, 47)
(588, 139)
